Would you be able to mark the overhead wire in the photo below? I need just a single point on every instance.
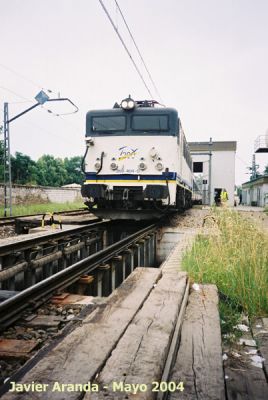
(42, 128)
(137, 48)
(47, 131)
(16, 94)
(125, 47)
(241, 160)
(22, 76)
(27, 100)
(26, 79)
(34, 84)
(244, 162)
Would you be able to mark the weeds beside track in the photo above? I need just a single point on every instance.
(235, 258)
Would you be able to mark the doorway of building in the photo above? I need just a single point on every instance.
(217, 196)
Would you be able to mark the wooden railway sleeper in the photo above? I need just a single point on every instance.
(12, 271)
(40, 262)
(75, 247)
(92, 240)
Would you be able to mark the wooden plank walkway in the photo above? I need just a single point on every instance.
(199, 360)
(80, 355)
(139, 357)
(246, 381)
(260, 334)
(173, 261)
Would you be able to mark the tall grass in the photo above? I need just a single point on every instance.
(235, 258)
(43, 208)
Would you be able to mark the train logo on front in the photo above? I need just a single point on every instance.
(126, 152)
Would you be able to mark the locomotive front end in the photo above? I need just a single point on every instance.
(131, 161)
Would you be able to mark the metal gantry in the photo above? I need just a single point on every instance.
(41, 98)
(7, 165)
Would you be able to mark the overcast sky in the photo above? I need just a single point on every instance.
(208, 58)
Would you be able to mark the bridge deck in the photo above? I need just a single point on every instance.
(132, 339)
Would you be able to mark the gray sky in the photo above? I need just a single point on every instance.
(209, 59)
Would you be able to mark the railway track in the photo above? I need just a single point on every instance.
(7, 221)
(40, 273)
(140, 326)
(52, 271)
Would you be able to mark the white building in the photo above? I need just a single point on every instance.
(255, 192)
(214, 169)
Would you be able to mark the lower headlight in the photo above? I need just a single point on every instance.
(97, 165)
(142, 166)
(159, 166)
(113, 166)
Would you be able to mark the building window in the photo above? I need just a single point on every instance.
(198, 167)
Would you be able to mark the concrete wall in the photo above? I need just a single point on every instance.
(222, 173)
(40, 194)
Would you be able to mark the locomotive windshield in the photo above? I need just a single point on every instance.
(137, 122)
(108, 124)
(150, 123)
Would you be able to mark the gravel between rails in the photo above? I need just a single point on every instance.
(7, 231)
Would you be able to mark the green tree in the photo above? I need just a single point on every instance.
(265, 172)
(47, 171)
(22, 169)
(73, 169)
(50, 171)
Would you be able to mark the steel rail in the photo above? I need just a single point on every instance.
(6, 221)
(11, 220)
(10, 309)
(27, 243)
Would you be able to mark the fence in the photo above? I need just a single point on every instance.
(22, 194)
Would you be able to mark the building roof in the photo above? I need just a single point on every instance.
(257, 181)
(215, 146)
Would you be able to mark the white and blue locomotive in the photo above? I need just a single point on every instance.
(137, 163)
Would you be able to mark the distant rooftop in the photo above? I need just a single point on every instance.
(257, 181)
(215, 146)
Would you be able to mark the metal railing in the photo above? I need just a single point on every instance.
(261, 144)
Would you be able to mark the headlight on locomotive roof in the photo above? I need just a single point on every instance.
(131, 104)
(159, 166)
(142, 166)
(128, 104)
(113, 166)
